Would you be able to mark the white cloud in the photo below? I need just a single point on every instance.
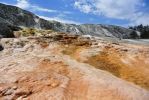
(37, 8)
(86, 8)
(117, 9)
(24, 4)
(5, 3)
(143, 19)
(60, 20)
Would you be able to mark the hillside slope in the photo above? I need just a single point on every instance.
(18, 17)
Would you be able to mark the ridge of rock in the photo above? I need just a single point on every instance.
(17, 17)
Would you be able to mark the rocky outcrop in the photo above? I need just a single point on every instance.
(15, 16)
(6, 28)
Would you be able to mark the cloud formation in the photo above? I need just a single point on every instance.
(59, 19)
(118, 9)
(24, 4)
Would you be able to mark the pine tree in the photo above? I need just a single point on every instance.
(144, 30)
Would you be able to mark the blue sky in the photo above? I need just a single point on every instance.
(116, 12)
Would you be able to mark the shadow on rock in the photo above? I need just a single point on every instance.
(1, 48)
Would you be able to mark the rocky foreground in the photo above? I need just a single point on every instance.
(72, 67)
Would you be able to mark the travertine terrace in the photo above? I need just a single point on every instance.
(72, 67)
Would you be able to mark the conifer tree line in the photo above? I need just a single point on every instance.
(144, 30)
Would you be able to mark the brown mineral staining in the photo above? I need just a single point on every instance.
(72, 67)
